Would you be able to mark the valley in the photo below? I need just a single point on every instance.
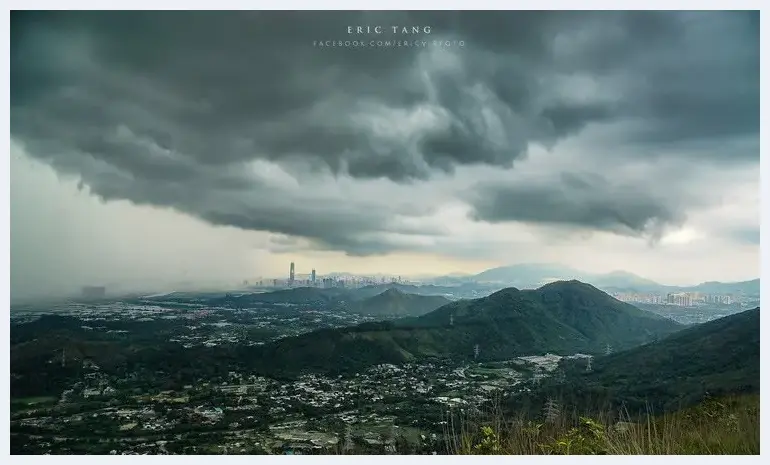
(307, 372)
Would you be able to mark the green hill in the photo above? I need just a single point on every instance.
(725, 425)
(743, 288)
(315, 295)
(716, 358)
(564, 317)
(373, 290)
(393, 302)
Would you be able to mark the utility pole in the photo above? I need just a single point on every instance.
(348, 442)
(551, 411)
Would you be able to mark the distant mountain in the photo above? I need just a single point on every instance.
(534, 275)
(714, 358)
(622, 279)
(715, 287)
(742, 288)
(563, 317)
(370, 291)
(315, 295)
(527, 275)
(393, 302)
(463, 290)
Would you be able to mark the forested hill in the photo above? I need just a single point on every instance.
(711, 359)
(563, 317)
(393, 302)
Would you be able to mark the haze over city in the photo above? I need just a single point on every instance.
(201, 154)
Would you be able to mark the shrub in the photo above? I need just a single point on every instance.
(588, 438)
(490, 444)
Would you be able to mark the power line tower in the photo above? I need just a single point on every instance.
(608, 350)
(551, 411)
(589, 368)
(476, 352)
(451, 320)
(347, 445)
(63, 356)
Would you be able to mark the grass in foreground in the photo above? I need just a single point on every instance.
(716, 426)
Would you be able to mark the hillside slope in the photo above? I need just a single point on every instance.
(317, 295)
(715, 358)
(718, 357)
(393, 302)
(563, 318)
(373, 290)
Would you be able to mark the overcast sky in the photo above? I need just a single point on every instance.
(216, 147)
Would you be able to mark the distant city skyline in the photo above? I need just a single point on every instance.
(598, 140)
(301, 276)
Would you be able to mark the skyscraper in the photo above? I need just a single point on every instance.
(291, 274)
(312, 277)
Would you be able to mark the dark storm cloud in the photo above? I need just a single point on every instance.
(170, 108)
(587, 201)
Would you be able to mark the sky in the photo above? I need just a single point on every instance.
(153, 148)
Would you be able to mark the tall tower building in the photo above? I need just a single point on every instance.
(312, 276)
(291, 274)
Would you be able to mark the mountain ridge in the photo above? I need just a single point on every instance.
(393, 302)
(569, 318)
(719, 357)
(532, 275)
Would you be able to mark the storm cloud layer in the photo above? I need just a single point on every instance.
(241, 119)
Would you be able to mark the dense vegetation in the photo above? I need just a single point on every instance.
(393, 302)
(728, 425)
(712, 359)
(342, 296)
(563, 317)
(677, 389)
